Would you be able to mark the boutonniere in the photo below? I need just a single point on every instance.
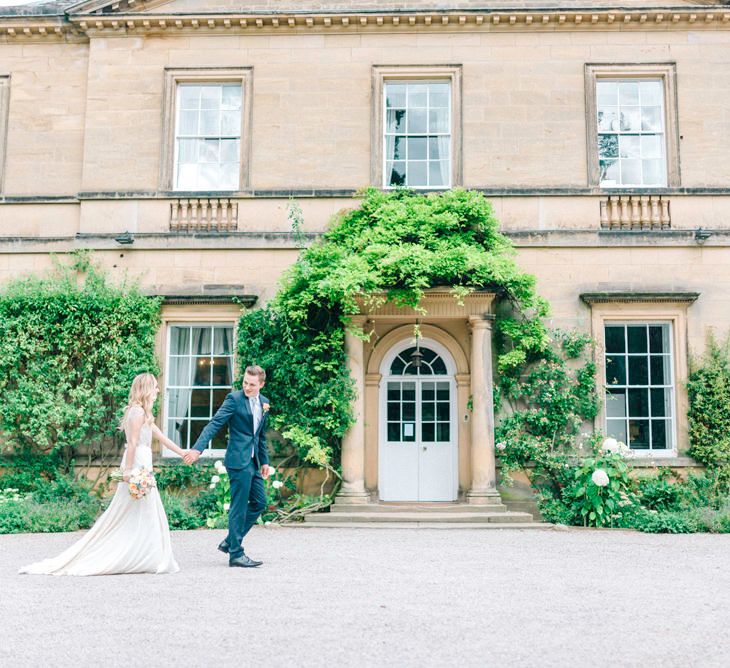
(266, 408)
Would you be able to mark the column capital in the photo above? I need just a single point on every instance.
(358, 321)
(483, 321)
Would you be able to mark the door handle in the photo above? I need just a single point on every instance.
(425, 448)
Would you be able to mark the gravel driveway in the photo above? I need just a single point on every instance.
(369, 597)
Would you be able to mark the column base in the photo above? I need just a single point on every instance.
(487, 497)
(352, 497)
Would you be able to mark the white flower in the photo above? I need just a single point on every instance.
(600, 478)
(212, 485)
(610, 445)
(219, 466)
(277, 484)
(272, 470)
(501, 445)
(215, 479)
(226, 506)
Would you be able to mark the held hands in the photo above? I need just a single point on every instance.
(265, 471)
(191, 456)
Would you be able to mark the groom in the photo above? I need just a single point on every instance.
(246, 460)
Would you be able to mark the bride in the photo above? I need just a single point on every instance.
(132, 535)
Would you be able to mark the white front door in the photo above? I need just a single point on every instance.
(418, 445)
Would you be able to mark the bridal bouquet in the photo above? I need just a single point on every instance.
(140, 481)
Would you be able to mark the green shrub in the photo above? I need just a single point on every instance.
(180, 476)
(659, 492)
(180, 511)
(29, 516)
(70, 345)
(653, 521)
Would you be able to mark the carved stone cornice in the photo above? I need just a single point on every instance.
(633, 297)
(123, 18)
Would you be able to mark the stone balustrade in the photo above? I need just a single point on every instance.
(203, 214)
(635, 212)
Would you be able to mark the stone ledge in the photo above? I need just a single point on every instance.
(631, 297)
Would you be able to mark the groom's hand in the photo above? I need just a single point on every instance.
(265, 471)
(191, 456)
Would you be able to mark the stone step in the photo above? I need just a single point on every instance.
(340, 508)
(532, 526)
(422, 517)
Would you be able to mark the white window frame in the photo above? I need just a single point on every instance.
(672, 418)
(667, 74)
(201, 76)
(208, 452)
(382, 74)
(4, 111)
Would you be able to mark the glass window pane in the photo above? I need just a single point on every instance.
(188, 96)
(201, 371)
(608, 146)
(628, 92)
(395, 95)
(223, 340)
(222, 371)
(428, 432)
(660, 435)
(428, 412)
(651, 146)
(417, 148)
(639, 434)
(210, 122)
(616, 403)
(439, 367)
(396, 369)
(615, 339)
(638, 403)
(393, 411)
(177, 403)
(187, 177)
(438, 120)
(438, 173)
(652, 172)
(651, 119)
(231, 123)
(656, 339)
(610, 172)
(196, 427)
(660, 402)
(660, 370)
(417, 95)
(220, 440)
(394, 431)
(637, 339)
(393, 391)
(178, 371)
(631, 172)
(409, 432)
(417, 173)
(638, 371)
(438, 94)
(229, 172)
(188, 124)
(651, 92)
(442, 392)
(409, 410)
(396, 172)
(608, 119)
(231, 97)
(396, 121)
(201, 341)
(616, 370)
(219, 396)
(630, 118)
(442, 411)
(210, 97)
(417, 121)
(179, 340)
(428, 393)
(230, 150)
(606, 93)
(443, 430)
(617, 429)
(200, 401)
(409, 391)
(177, 431)
(629, 146)
(209, 151)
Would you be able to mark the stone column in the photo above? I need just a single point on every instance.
(483, 469)
(353, 443)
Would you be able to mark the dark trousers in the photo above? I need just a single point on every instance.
(248, 500)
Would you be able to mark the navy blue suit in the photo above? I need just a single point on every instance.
(248, 497)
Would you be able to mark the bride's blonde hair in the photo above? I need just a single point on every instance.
(140, 394)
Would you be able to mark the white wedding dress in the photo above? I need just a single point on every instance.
(131, 536)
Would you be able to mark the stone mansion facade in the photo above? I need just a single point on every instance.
(170, 137)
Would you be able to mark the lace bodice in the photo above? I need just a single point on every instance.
(143, 454)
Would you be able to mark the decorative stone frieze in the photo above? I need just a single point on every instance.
(203, 214)
(635, 212)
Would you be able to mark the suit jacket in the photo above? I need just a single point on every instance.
(236, 413)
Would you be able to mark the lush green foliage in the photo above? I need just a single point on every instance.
(708, 390)
(70, 344)
(393, 247)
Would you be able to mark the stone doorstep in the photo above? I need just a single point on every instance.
(422, 517)
(532, 526)
(416, 507)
